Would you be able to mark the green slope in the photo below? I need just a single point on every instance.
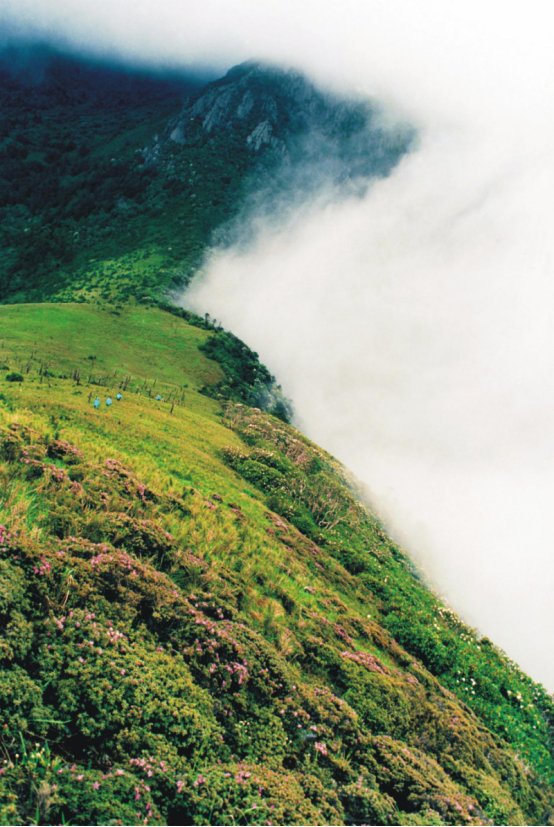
(202, 623)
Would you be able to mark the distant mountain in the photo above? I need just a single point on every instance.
(110, 188)
(75, 195)
(287, 140)
(280, 115)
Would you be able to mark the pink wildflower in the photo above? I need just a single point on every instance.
(5, 537)
(44, 568)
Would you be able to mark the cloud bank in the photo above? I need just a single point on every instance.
(414, 327)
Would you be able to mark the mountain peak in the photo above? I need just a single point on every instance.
(270, 108)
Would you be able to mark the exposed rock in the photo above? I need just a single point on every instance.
(259, 136)
(278, 115)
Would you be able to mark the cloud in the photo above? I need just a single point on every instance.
(414, 328)
(422, 358)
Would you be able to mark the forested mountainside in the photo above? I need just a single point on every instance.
(201, 622)
(113, 183)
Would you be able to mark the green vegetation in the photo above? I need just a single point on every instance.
(108, 349)
(93, 205)
(246, 379)
(99, 203)
(203, 624)
(200, 620)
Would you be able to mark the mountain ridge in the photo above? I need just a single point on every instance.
(97, 201)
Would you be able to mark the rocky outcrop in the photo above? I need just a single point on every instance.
(277, 114)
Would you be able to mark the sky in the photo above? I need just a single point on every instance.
(414, 327)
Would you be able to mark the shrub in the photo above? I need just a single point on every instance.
(260, 737)
(363, 805)
(112, 692)
(17, 631)
(381, 702)
(21, 707)
(250, 794)
(51, 791)
(422, 642)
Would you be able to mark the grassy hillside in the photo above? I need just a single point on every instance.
(202, 624)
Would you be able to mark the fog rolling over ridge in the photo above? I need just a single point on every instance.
(430, 381)
(414, 326)
(413, 329)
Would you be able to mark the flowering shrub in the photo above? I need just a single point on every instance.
(126, 483)
(364, 805)
(5, 538)
(11, 445)
(139, 536)
(103, 679)
(419, 783)
(249, 794)
(186, 656)
(51, 791)
(60, 449)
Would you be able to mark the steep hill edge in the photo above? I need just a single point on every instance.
(203, 624)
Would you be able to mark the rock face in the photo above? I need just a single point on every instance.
(279, 116)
